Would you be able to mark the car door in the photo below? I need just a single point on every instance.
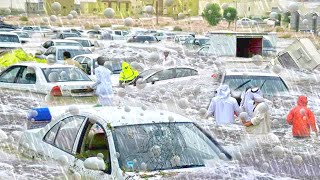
(60, 142)
(95, 139)
(27, 79)
(8, 77)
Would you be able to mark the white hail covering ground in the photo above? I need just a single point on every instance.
(292, 158)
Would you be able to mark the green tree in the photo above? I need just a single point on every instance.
(212, 14)
(230, 14)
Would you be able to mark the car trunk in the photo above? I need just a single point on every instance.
(78, 88)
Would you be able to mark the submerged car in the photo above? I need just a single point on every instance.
(270, 84)
(85, 42)
(57, 52)
(89, 63)
(143, 39)
(9, 40)
(120, 143)
(59, 42)
(56, 80)
(166, 75)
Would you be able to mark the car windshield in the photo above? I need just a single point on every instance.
(269, 85)
(73, 52)
(9, 38)
(84, 43)
(161, 146)
(67, 44)
(64, 74)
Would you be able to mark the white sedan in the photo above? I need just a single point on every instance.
(57, 80)
(120, 143)
(246, 22)
(85, 42)
(89, 63)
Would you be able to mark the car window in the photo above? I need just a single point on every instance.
(162, 75)
(9, 76)
(9, 38)
(117, 32)
(27, 76)
(79, 58)
(64, 74)
(73, 52)
(184, 72)
(67, 44)
(93, 141)
(63, 134)
(84, 43)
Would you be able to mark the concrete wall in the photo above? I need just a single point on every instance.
(66, 7)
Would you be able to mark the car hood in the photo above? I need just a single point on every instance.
(215, 169)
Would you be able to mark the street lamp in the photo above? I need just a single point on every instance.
(315, 18)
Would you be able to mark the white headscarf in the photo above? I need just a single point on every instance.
(223, 92)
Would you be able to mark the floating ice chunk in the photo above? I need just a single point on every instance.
(278, 151)
(53, 77)
(48, 98)
(202, 111)
(121, 92)
(297, 159)
(156, 151)
(140, 84)
(180, 87)
(154, 57)
(100, 155)
(175, 160)
(3, 136)
(32, 114)
(257, 60)
(183, 103)
(127, 109)
(143, 107)
(265, 166)
(143, 166)
(275, 122)
(276, 68)
(74, 110)
(63, 160)
(76, 176)
(162, 90)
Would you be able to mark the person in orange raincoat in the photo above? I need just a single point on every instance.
(302, 119)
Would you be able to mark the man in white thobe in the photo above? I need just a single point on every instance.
(103, 85)
(248, 98)
(223, 106)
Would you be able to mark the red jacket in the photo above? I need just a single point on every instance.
(302, 119)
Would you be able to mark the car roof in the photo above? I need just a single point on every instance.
(68, 47)
(163, 68)
(62, 40)
(43, 65)
(126, 116)
(77, 38)
(93, 56)
(7, 33)
(249, 72)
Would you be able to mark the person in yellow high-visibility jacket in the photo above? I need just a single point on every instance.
(128, 74)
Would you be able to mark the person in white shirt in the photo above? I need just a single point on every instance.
(103, 86)
(260, 122)
(248, 98)
(167, 61)
(223, 106)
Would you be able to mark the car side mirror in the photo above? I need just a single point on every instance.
(23, 42)
(154, 80)
(95, 163)
(197, 43)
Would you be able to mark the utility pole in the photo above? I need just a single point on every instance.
(157, 11)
